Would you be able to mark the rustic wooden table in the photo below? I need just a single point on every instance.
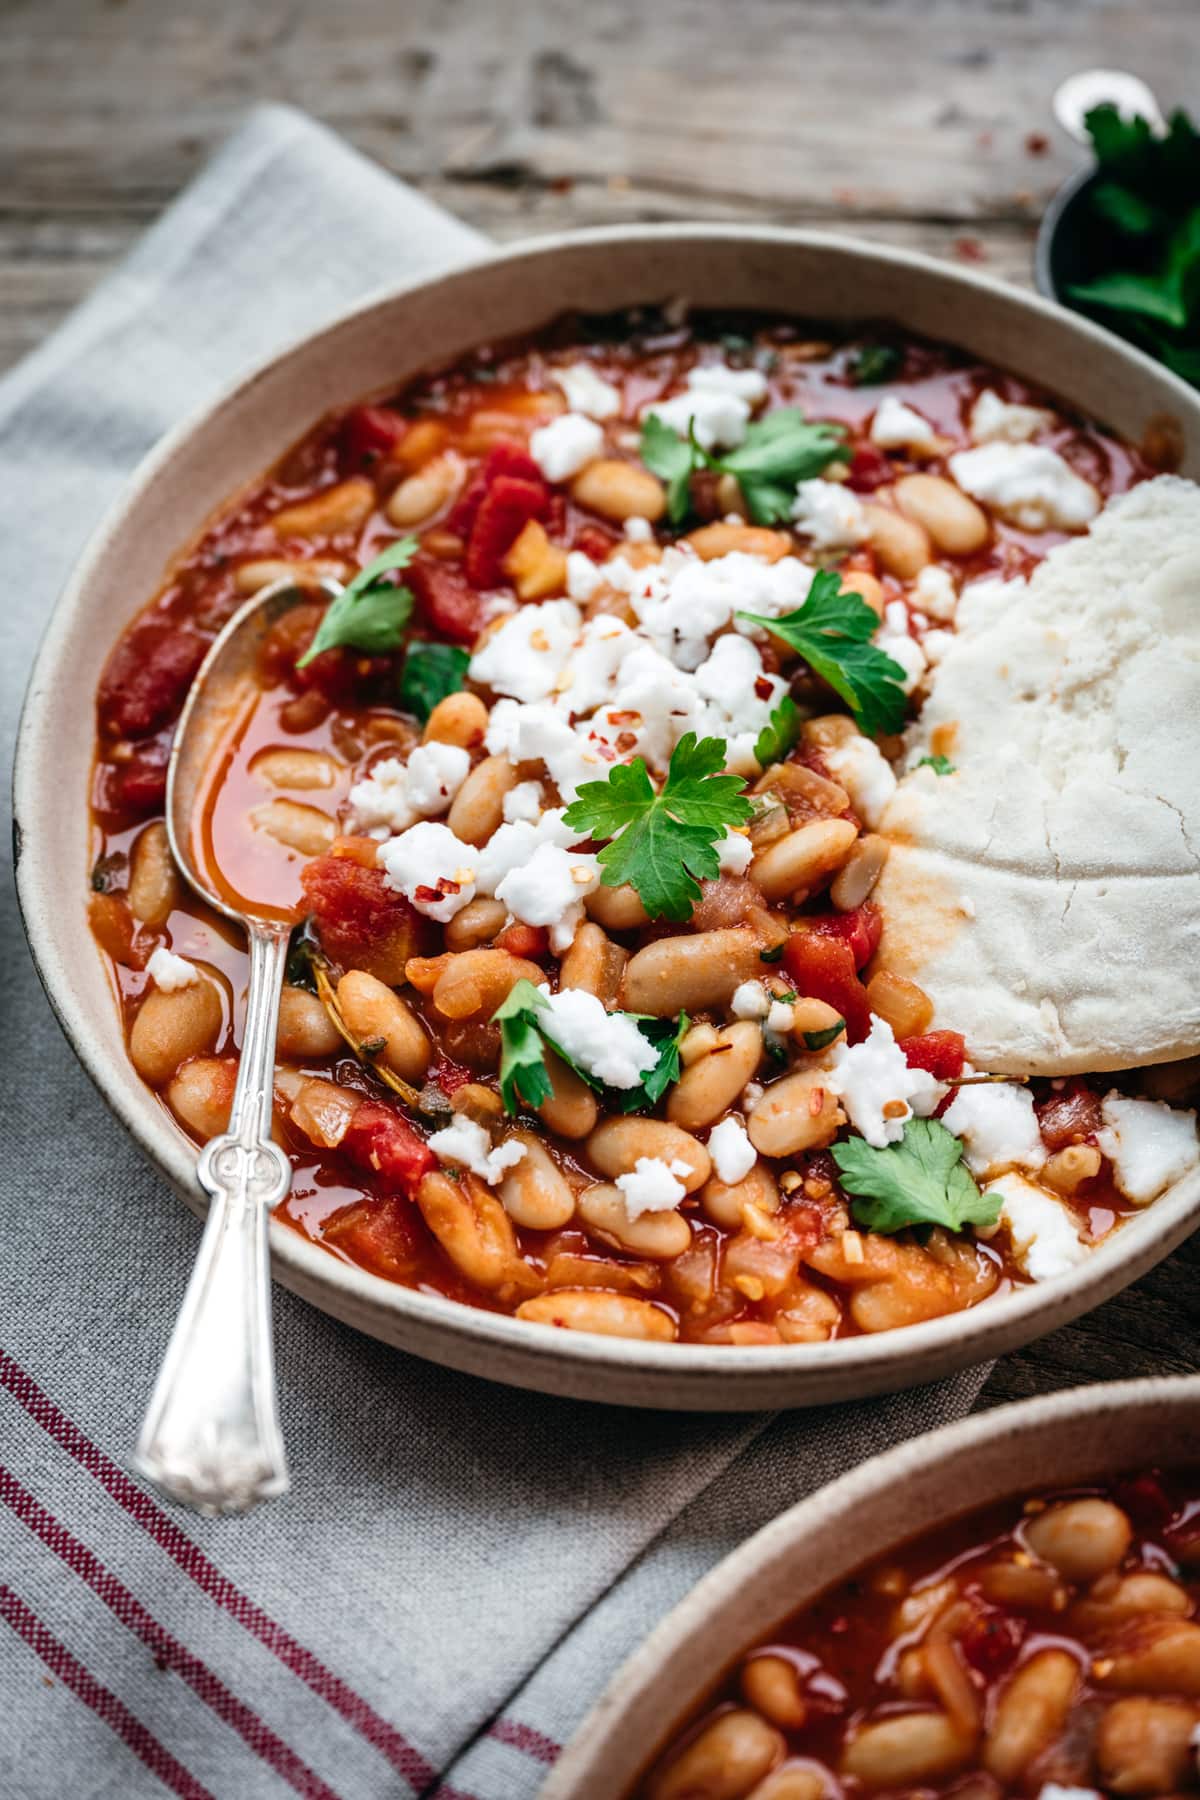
(916, 122)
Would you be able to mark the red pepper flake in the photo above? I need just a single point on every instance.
(762, 687)
(969, 249)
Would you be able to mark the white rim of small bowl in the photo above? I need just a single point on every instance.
(575, 1774)
(521, 1352)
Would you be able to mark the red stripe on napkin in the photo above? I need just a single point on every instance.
(525, 1738)
(102, 1700)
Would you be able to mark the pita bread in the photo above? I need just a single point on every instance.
(1047, 894)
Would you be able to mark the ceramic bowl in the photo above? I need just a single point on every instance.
(1063, 1438)
(214, 455)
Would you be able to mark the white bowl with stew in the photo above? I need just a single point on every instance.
(374, 348)
(932, 1486)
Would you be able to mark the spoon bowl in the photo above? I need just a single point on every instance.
(211, 1436)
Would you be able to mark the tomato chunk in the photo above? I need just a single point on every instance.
(940, 1053)
(448, 604)
(362, 923)
(861, 929)
(1069, 1116)
(869, 469)
(823, 968)
(381, 1234)
(379, 1141)
(507, 507)
(505, 458)
(147, 677)
(532, 941)
(449, 1075)
(369, 433)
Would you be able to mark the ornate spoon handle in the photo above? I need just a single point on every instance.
(211, 1433)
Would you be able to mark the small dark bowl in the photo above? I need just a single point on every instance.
(1069, 246)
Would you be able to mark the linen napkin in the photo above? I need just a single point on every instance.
(459, 1566)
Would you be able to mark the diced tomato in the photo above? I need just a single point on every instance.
(823, 968)
(1069, 1116)
(369, 433)
(990, 1641)
(532, 941)
(595, 542)
(505, 458)
(361, 921)
(381, 1234)
(142, 783)
(448, 604)
(869, 469)
(507, 507)
(147, 677)
(940, 1053)
(1146, 1501)
(861, 929)
(379, 1140)
(449, 1075)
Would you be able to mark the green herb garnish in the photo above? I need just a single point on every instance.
(819, 1040)
(525, 1023)
(832, 631)
(369, 614)
(663, 843)
(777, 452)
(779, 734)
(941, 765)
(919, 1181)
(873, 364)
(429, 673)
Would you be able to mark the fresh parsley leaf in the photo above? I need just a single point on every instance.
(941, 765)
(778, 735)
(832, 632)
(666, 1035)
(672, 458)
(663, 844)
(1152, 295)
(818, 1040)
(523, 1073)
(875, 363)
(369, 614)
(430, 672)
(919, 1181)
(1127, 210)
(777, 452)
(773, 955)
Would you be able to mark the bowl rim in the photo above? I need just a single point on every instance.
(989, 1329)
(840, 1498)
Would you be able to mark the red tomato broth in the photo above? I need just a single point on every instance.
(848, 1645)
(339, 711)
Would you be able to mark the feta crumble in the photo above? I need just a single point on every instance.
(994, 420)
(652, 1186)
(735, 853)
(780, 1018)
(432, 868)
(638, 530)
(860, 766)
(467, 1144)
(396, 794)
(733, 1155)
(1029, 484)
(998, 1126)
(583, 576)
(1043, 1232)
(896, 640)
(169, 972)
(1149, 1143)
(566, 445)
(900, 427)
(878, 1089)
(715, 405)
(524, 657)
(750, 1001)
(830, 514)
(587, 391)
(523, 804)
(549, 890)
(606, 1045)
(934, 592)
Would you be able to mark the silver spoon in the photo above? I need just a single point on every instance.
(211, 1434)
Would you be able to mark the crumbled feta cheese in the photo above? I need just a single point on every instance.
(606, 1045)
(733, 1155)
(524, 658)
(750, 1001)
(998, 1126)
(894, 637)
(1043, 1231)
(549, 890)
(638, 531)
(431, 868)
(435, 772)
(1029, 484)
(715, 405)
(735, 853)
(878, 1089)
(379, 804)
(512, 846)
(780, 1018)
(467, 1144)
(994, 420)
(583, 576)
(934, 592)
(652, 1186)
(539, 733)
(587, 391)
(523, 804)
(566, 445)
(829, 513)
(719, 378)
(861, 768)
(169, 972)
(1150, 1145)
(899, 427)
(752, 1093)
(935, 644)
(587, 680)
